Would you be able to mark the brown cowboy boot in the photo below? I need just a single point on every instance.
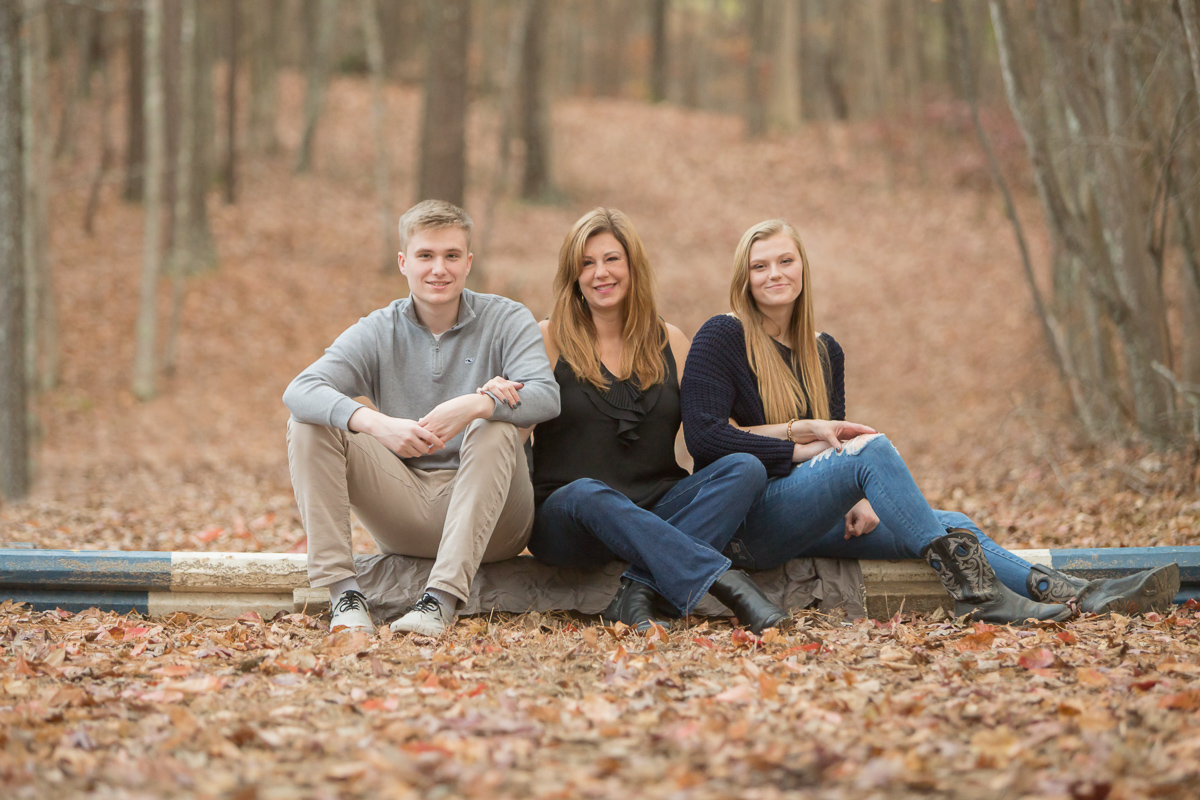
(1148, 590)
(960, 562)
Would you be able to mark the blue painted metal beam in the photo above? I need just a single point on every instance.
(120, 580)
(76, 601)
(111, 570)
(1113, 562)
(1187, 593)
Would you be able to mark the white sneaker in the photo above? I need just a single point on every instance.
(350, 611)
(428, 618)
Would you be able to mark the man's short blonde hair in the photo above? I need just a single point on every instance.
(433, 214)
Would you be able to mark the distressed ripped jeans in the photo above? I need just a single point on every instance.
(802, 514)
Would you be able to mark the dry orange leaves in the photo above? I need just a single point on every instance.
(108, 705)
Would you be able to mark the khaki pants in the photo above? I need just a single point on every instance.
(481, 512)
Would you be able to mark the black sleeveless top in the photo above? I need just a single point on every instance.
(624, 437)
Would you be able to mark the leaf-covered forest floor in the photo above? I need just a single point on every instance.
(97, 705)
(914, 272)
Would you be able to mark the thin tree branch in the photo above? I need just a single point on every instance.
(1010, 209)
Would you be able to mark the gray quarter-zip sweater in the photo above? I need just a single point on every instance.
(393, 360)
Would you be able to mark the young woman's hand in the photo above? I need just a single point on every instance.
(447, 420)
(505, 389)
(831, 431)
(803, 452)
(861, 519)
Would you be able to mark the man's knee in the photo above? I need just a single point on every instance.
(486, 435)
(305, 439)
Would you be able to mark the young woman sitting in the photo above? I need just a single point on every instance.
(762, 381)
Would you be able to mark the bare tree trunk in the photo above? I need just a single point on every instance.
(910, 55)
(1189, 312)
(320, 40)
(64, 143)
(1050, 326)
(786, 84)
(1184, 198)
(536, 183)
(32, 99)
(181, 255)
(572, 70)
(201, 244)
(1090, 83)
(876, 95)
(512, 68)
(191, 246)
(264, 76)
(15, 472)
(1191, 28)
(1143, 331)
(41, 330)
(442, 170)
(173, 90)
(383, 183)
(1082, 366)
(404, 45)
(106, 147)
(609, 53)
(691, 56)
(835, 62)
(658, 50)
(135, 138)
(488, 16)
(144, 361)
(231, 106)
(757, 69)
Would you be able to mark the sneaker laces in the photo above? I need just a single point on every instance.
(428, 604)
(350, 601)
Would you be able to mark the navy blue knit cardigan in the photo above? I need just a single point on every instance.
(718, 384)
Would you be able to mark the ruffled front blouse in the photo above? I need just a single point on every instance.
(622, 436)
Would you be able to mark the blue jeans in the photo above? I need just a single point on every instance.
(675, 547)
(802, 514)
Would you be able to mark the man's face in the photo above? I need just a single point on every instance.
(436, 263)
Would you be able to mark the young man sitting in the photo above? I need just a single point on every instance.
(439, 470)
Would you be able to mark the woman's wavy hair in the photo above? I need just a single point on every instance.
(784, 397)
(571, 323)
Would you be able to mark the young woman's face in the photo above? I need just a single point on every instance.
(604, 279)
(776, 272)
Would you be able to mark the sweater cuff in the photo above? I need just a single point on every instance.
(343, 409)
(780, 461)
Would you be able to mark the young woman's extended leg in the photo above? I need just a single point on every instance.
(802, 514)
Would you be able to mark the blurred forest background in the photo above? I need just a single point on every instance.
(999, 200)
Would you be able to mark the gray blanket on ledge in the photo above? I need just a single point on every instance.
(393, 583)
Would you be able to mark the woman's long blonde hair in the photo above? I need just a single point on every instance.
(571, 326)
(784, 397)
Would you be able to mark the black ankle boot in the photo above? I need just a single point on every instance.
(743, 597)
(633, 605)
(1148, 590)
(959, 561)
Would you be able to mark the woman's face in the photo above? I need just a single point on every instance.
(776, 272)
(604, 279)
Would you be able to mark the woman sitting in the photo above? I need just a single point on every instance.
(761, 381)
(606, 482)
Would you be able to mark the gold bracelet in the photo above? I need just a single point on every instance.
(791, 422)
